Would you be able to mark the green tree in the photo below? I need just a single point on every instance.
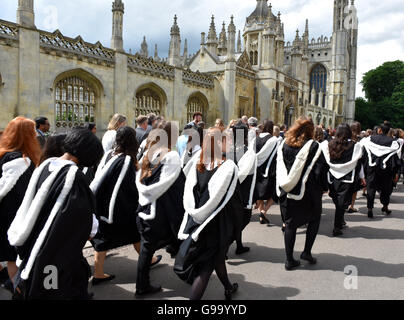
(384, 91)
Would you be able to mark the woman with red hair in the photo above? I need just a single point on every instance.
(301, 177)
(19, 155)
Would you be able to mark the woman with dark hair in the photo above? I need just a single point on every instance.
(160, 183)
(53, 146)
(266, 149)
(301, 175)
(19, 155)
(344, 158)
(356, 129)
(211, 202)
(319, 134)
(54, 223)
(116, 195)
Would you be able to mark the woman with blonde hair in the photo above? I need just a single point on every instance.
(212, 206)
(220, 124)
(301, 181)
(116, 122)
(19, 155)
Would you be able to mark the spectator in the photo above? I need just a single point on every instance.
(277, 131)
(91, 126)
(283, 131)
(197, 118)
(42, 127)
(141, 130)
(219, 124)
(244, 119)
(108, 141)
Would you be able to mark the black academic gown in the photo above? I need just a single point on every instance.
(300, 212)
(11, 202)
(163, 230)
(379, 178)
(123, 230)
(63, 244)
(214, 240)
(341, 192)
(265, 187)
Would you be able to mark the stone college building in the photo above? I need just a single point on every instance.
(256, 73)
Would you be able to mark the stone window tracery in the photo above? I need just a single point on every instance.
(75, 103)
(196, 104)
(318, 81)
(148, 101)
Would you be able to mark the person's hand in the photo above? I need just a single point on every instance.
(363, 182)
(397, 177)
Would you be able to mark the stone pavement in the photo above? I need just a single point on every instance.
(374, 247)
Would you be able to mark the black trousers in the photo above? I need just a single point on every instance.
(339, 217)
(290, 238)
(381, 183)
(147, 250)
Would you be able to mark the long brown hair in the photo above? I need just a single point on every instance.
(211, 148)
(356, 129)
(20, 135)
(341, 142)
(301, 132)
(155, 143)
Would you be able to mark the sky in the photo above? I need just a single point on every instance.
(381, 23)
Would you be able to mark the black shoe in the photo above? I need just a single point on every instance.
(157, 261)
(350, 210)
(291, 265)
(308, 257)
(97, 281)
(263, 220)
(386, 210)
(242, 250)
(337, 232)
(370, 214)
(229, 293)
(149, 290)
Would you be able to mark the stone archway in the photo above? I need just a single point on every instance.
(150, 98)
(197, 102)
(77, 98)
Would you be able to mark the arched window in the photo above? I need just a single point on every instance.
(148, 101)
(318, 81)
(68, 112)
(196, 103)
(254, 58)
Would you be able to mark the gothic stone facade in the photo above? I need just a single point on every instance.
(72, 82)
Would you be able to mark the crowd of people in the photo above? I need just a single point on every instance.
(192, 194)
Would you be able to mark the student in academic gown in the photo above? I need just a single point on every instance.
(246, 160)
(266, 148)
(160, 183)
(54, 223)
(19, 155)
(344, 158)
(210, 222)
(116, 197)
(301, 175)
(382, 165)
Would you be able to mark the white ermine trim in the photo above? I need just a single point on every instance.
(341, 170)
(186, 158)
(102, 170)
(169, 174)
(252, 188)
(221, 186)
(267, 150)
(289, 181)
(380, 151)
(30, 207)
(400, 151)
(246, 165)
(70, 178)
(12, 171)
(192, 162)
(117, 187)
(274, 151)
(85, 170)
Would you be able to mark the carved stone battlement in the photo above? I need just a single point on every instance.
(77, 46)
(197, 78)
(8, 30)
(139, 64)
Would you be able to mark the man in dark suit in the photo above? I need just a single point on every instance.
(42, 127)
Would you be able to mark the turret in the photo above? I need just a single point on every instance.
(118, 10)
(174, 56)
(222, 48)
(231, 44)
(239, 46)
(25, 13)
(212, 41)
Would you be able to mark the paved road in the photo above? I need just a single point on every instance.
(375, 248)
